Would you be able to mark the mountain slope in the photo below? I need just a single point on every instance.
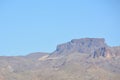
(79, 59)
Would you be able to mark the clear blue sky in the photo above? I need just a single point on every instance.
(39, 25)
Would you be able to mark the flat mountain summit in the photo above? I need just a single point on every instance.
(78, 59)
(85, 45)
(95, 47)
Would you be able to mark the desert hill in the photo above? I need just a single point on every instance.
(79, 59)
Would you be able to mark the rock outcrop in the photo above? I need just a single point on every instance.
(96, 46)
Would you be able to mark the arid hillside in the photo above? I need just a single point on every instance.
(79, 59)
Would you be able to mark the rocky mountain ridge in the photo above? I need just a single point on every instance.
(79, 59)
(95, 47)
(86, 45)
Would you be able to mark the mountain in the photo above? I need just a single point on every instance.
(95, 47)
(86, 45)
(79, 59)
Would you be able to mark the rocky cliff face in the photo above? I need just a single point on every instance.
(95, 46)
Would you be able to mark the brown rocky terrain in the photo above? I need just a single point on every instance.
(79, 59)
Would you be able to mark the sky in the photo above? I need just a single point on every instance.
(28, 26)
